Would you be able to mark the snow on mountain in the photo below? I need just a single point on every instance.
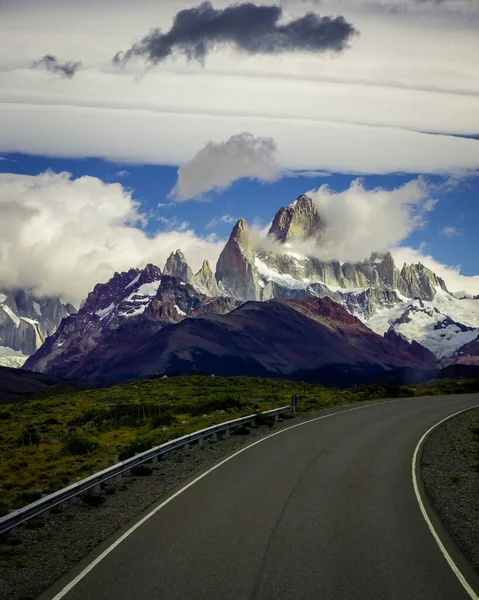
(25, 322)
(442, 325)
(11, 358)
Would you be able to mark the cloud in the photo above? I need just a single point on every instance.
(359, 221)
(50, 63)
(449, 232)
(122, 173)
(219, 220)
(61, 236)
(173, 223)
(247, 27)
(219, 164)
(455, 281)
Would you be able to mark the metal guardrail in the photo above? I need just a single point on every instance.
(41, 507)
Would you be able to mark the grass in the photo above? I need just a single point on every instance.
(50, 441)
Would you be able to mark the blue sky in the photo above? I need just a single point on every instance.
(257, 202)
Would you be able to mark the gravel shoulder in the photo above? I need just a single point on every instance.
(450, 475)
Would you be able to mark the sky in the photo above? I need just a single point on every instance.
(126, 134)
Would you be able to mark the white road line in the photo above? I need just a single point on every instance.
(435, 535)
(105, 553)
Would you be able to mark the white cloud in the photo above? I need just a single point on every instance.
(456, 282)
(359, 221)
(217, 221)
(219, 164)
(61, 235)
(449, 232)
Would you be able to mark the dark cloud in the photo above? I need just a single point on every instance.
(250, 28)
(50, 63)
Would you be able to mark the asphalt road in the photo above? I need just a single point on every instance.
(324, 511)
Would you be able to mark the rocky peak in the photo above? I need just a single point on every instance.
(103, 294)
(177, 266)
(25, 322)
(299, 220)
(417, 281)
(235, 269)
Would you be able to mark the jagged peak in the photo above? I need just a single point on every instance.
(205, 269)
(299, 220)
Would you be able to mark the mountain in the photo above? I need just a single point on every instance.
(203, 281)
(25, 322)
(120, 315)
(411, 306)
(412, 300)
(308, 337)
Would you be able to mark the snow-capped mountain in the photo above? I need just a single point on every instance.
(410, 306)
(120, 315)
(412, 301)
(25, 322)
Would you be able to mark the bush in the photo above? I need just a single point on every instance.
(162, 419)
(92, 499)
(142, 470)
(241, 430)
(5, 415)
(51, 421)
(264, 420)
(76, 444)
(135, 447)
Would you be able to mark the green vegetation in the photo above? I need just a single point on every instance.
(50, 441)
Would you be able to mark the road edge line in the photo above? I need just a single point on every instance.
(455, 569)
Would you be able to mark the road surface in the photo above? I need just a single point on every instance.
(323, 511)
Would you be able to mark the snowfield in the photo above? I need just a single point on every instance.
(442, 325)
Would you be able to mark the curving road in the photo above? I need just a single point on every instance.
(323, 511)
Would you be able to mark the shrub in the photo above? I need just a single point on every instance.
(264, 420)
(76, 444)
(162, 419)
(141, 470)
(5, 415)
(241, 430)
(51, 421)
(135, 447)
(92, 499)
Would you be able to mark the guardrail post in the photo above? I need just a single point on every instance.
(201, 442)
(276, 418)
(227, 433)
(154, 460)
(214, 436)
(73, 500)
(186, 447)
(45, 514)
(118, 477)
(13, 530)
(97, 488)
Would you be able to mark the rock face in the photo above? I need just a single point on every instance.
(25, 322)
(235, 270)
(119, 315)
(312, 337)
(469, 349)
(299, 221)
(420, 352)
(203, 281)
(250, 272)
